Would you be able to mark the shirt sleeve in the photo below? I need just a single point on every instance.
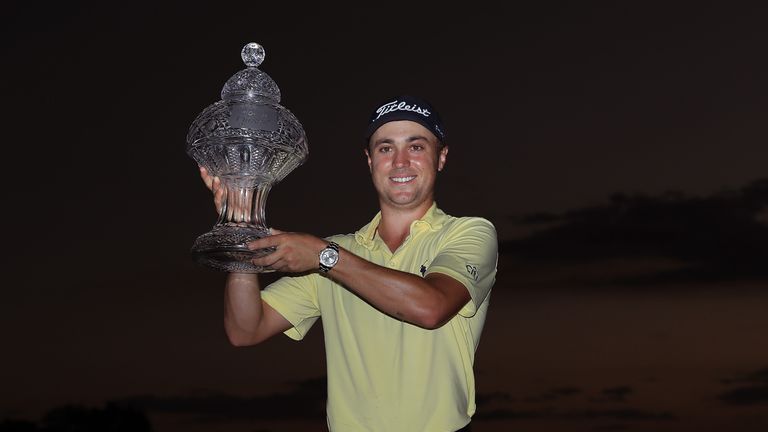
(469, 254)
(295, 298)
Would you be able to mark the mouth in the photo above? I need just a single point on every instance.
(404, 179)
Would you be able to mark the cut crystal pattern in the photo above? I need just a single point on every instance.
(250, 142)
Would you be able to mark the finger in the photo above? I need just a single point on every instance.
(207, 178)
(218, 199)
(263, 243)
(272, 261)
(246, 204)
(275, 231)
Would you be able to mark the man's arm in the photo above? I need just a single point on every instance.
(247, 319)
(426, 302)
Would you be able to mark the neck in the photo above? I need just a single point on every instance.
(395, 223)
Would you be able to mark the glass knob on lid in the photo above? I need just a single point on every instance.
(252, 54)
(251, 83)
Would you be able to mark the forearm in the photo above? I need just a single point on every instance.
(426, 302)
(408, 297)
(243, 308)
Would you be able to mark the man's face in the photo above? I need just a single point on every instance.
(404, 159)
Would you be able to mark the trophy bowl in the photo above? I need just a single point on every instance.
(250, 142)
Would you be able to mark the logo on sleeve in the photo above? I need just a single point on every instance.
(472, 270)
(424, 266)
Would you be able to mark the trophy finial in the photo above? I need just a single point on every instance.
(252, 54)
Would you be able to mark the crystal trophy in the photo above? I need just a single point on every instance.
(250, 142)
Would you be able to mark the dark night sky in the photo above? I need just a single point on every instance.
(549, 108)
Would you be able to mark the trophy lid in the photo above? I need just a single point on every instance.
(248, 133)
(251, 83)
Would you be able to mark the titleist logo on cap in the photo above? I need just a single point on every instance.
(402, 106)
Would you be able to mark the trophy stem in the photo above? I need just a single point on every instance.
(242, 220)
(243, 204)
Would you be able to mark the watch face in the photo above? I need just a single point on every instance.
(329, 257)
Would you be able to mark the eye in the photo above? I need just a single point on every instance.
(384, 149)
(417, 147)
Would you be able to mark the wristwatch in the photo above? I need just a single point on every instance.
(329, 257)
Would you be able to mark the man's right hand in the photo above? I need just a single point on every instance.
(214, 185)
(247, 320)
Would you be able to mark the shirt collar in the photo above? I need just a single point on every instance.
(432, 220)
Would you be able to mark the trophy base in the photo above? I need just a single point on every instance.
(225, 248)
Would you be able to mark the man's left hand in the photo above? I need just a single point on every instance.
(295, 252)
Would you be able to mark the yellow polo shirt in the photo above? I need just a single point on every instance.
(385, 374)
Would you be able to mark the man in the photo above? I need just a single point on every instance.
(403, 300)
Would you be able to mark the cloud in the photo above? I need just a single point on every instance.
(613, 394)
(306, 401)
(13, 425)
(610, 428)
(750, 395)
(753, 389)
(615, 414)
(488, 398)
(508, 414)
(618, 414)
(503, 409)
(758, 376)
(719, 237)
(113, 417)
(554, 394)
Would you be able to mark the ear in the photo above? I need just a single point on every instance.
(441, 158)
(368, 156)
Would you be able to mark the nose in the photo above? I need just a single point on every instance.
(401, 159)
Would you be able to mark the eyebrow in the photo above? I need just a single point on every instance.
(417, 138)
(410, 139)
